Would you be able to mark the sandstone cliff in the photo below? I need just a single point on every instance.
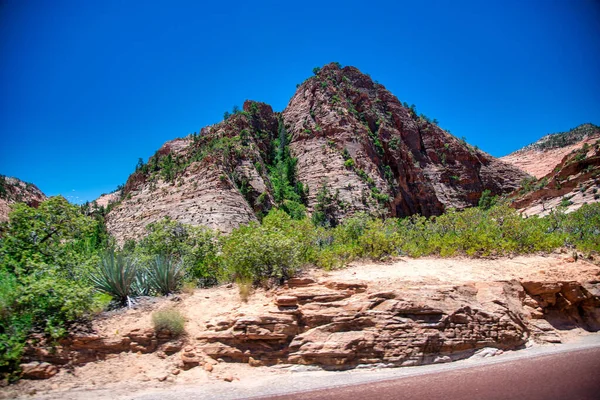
(13, 190)
(401, 162)
(354, 143)
(567, 168)
(543, 156)
(407, 313)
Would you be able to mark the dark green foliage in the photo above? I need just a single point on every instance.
(165, 274)
(3, 191)
(45, 255)
(325, 212)
(55, 235)
(316, 70)
(487, 201)
(197, 247)
(288, 192)
(115, 276)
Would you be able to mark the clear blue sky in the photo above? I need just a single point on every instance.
(87, 87)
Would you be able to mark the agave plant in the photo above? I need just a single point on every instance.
(115, 275)
(165, 274)
(140, 285)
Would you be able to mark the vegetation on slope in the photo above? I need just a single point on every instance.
(579, 171)
(563, 139)
(53, 260)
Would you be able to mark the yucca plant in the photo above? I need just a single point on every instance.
(140, 285)
(115, 275)
(165, 274)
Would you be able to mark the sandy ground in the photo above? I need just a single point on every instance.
(131, 372)
(435, 271)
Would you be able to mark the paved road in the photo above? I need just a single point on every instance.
(572, 375)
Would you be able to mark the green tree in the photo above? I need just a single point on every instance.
(487, 201)
(325, 212)
(55, 235)
(288, 193)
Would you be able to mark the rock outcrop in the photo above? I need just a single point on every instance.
(216, 179)
(337, 324)
(13, 190)
(543, 156)
(354, 142)
(355, 137)
(572, 182)
(82, 348)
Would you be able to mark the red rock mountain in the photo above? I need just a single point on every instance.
(356, 148)
(13, 190)
(567, 168)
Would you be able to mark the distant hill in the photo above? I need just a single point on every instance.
(541, 157)
(13, 190)
(567, 170)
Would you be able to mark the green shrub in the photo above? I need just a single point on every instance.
(259, 253)
(487, 201)
(582, 227)
(165, 275)
(336, 256)
(45, 257)
(379, 239)
(198, 247)
(169, 320)
(115, 276)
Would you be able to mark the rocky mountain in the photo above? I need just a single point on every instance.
(574, 181)
(543, 156)
(13, 190)
(344, 144)
(566, 168)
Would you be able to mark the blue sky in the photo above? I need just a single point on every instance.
(86, 88)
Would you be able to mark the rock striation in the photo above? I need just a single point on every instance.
(353, 140)
(572, 182)
(340, 325)
(376, 153)
(337, 324)
(13, 190)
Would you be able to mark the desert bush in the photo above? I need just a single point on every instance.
(259, 253)
(581, 228)
(45, 256)
(116, 275)
(56, 236)
(170, 320)
(165, 274)
(197, 247)
(379, 239)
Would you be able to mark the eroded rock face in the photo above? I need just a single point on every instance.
(349, 134)
(80, 349)
(219, 178)
(38, 370)
(341, 324)
(13, 190)
(341, 114)
(338, 324)
(575, 179)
